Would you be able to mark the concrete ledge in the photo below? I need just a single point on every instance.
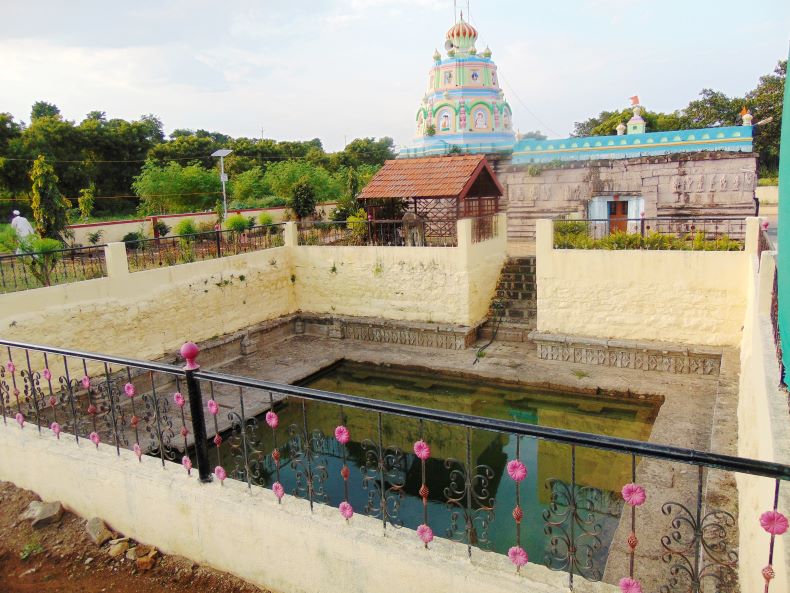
(629, 354)
(283, 547)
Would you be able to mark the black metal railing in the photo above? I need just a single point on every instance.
(692, 234)
(441, 473)
(384, 233)
(484, 228)
(23, 271)
(145, 254)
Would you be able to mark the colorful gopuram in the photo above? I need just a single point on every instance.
(463, 108)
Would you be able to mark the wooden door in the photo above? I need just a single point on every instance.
(618, 216)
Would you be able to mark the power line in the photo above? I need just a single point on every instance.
(524, 105)
(186, 158)
(132, 197)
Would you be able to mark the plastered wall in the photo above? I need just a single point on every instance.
(686, 297)
(282, 547)
(150, 313)
(763, 432)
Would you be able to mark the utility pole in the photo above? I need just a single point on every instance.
(222, 153)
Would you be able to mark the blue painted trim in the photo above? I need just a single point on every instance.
(730, 139)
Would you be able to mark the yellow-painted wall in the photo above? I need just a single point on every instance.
(147, 314)
(687, 297)
(434, 284)
(150, 313)
(763, 432)
(281, 547)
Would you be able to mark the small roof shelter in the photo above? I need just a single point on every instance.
(439, 190)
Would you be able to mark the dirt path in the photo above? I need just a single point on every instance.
(61, 558)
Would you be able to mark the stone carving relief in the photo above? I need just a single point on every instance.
(713, 182)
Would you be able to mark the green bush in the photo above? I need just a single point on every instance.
(265, 219)
(161, 228)
(236, 223)
(185, 226)
(133, 240)
(45, 254)
(567, 237)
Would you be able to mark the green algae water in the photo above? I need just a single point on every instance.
(482, 515)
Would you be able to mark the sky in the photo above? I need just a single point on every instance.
(341, 69)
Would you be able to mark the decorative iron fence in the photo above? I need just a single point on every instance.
(439, 474)
(386, 233)
(484, 228)
(145, 254)
(693, 234)
(775, 328)
(34, 270)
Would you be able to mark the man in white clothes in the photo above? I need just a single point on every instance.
(22, 227)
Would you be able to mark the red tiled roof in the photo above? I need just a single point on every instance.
(427, 177)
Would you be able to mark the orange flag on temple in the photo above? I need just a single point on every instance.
(635, 100)
(744, 111)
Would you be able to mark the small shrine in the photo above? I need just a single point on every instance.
(464, 109)
(435, 192)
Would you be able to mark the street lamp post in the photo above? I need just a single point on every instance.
(222, 153)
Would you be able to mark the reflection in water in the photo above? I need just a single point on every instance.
(470, 497)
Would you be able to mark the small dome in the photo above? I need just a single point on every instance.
(486, 53)
(462, 34)
(437, 56)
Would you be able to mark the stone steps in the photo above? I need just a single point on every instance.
(517, 313)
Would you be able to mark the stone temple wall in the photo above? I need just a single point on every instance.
(697, 184)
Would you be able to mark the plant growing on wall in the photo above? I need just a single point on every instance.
(95, 237)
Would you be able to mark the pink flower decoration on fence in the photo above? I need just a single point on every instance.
(219, 471)
(137, 451)
(94, 437)
(272, 419)
(346, 510)
(629, 585)
(765, 225)
(425, 533)
(186, 462)
(342, 435)
(55, 427)
(46, 374)
(518, 556)
(278, 490)
(634, 495)
(422, 450)
(516, 470)
(10, 367)
(86, 382)
(20, 418)
(179, 399)
(129, 390)
(213, 408)
(774, 522)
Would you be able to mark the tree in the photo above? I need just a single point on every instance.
(283, 176)
(712, 109)
(175, 188)
(249, 185)
(536, 135)
(43, 109)
(302, 200)
(85, 201)
(49, 206)
(766, 102)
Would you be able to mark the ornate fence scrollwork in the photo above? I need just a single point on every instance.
(697, 547)
(383, 476)
(469, 499)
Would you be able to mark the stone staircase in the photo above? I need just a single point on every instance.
(516, 300)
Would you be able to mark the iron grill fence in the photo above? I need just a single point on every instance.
(484, 228)
(442, 478)
(385, 233)
(694, 234)
(33, 270)
(146, 254)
